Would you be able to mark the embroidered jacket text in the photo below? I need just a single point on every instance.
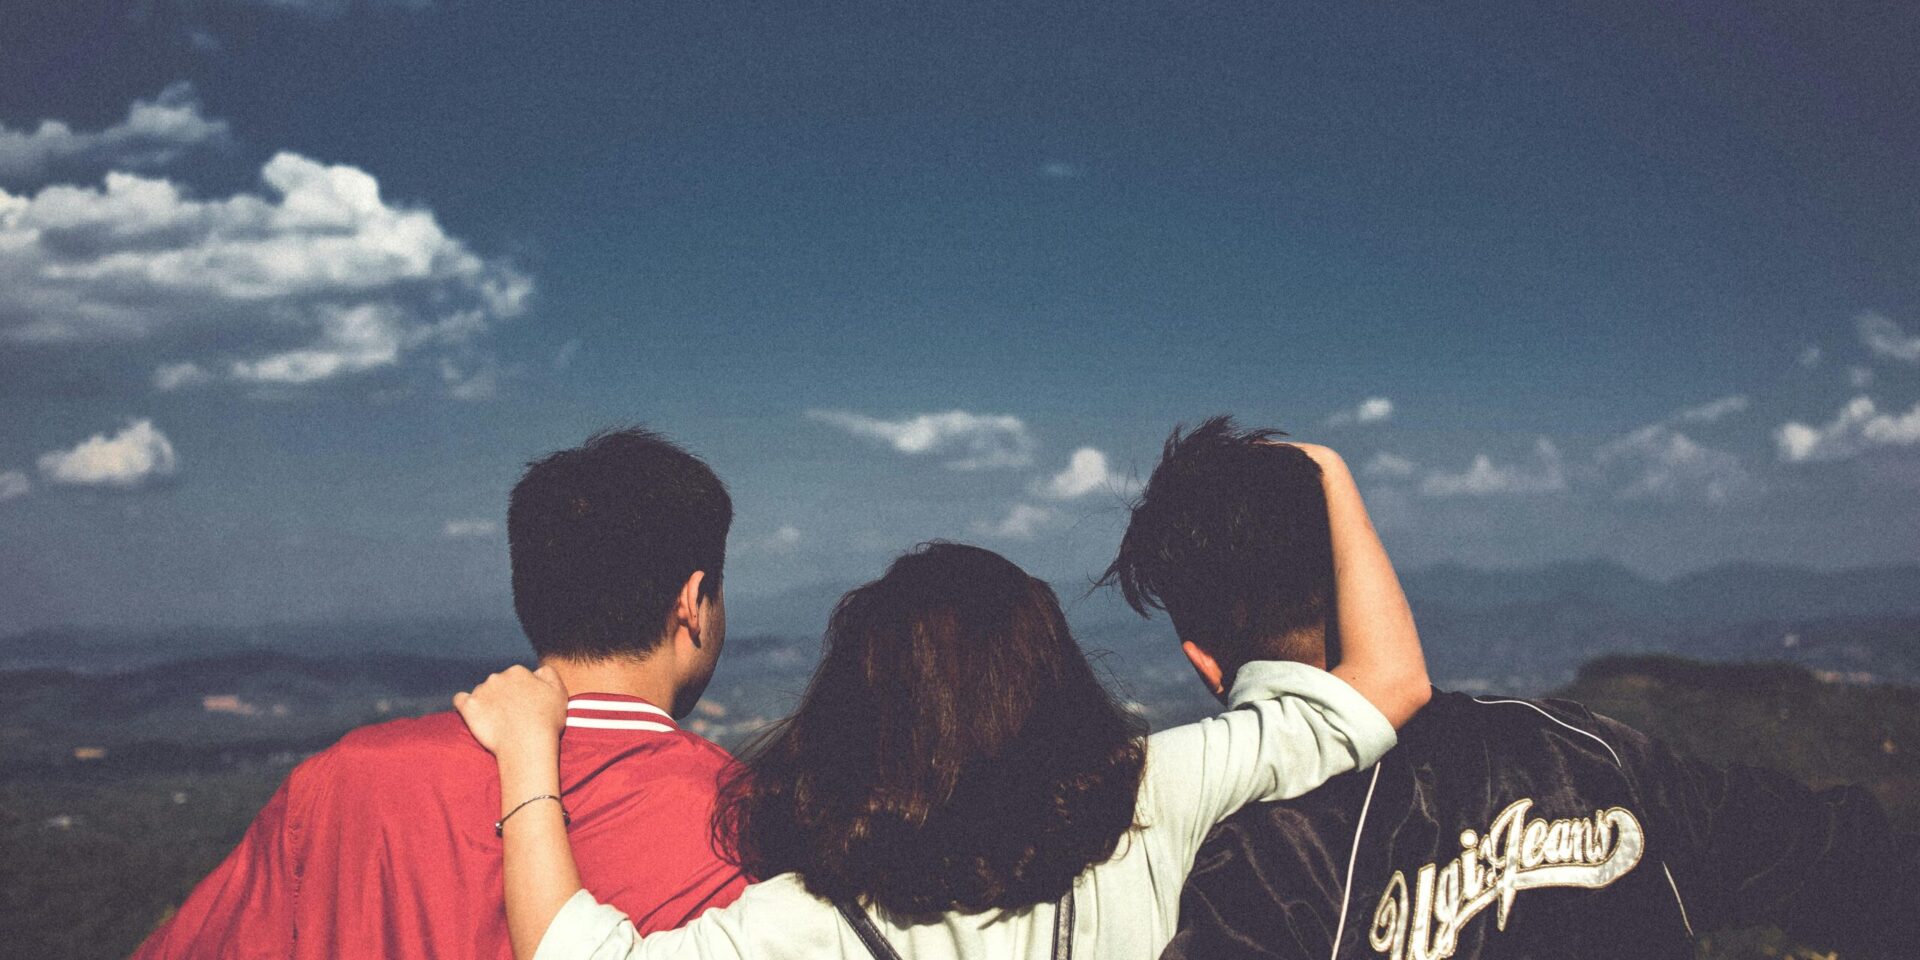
(1515, 854)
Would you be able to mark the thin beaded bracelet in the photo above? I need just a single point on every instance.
(566, 819)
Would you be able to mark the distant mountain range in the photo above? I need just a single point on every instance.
(1733, 591)
(1521, 630)
(95, 649)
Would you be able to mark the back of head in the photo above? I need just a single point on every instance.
(1230, 538)
(954, 751)
(602, 538)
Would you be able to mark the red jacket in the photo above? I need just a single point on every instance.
(382, 845)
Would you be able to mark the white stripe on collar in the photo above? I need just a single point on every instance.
(617, 706)
(599, 724)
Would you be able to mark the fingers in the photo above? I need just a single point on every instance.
(551, 677)
(460, 699)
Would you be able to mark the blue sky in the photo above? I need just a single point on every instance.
(289, 289)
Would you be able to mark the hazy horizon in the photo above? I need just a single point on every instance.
(747, 606)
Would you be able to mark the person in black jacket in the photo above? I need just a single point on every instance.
(1500, 828)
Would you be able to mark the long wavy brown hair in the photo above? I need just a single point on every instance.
(954, 751)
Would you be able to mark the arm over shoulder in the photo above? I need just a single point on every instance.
(1293, 728)
(773, 920)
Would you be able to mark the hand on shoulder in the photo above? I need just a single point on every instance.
(514, 708)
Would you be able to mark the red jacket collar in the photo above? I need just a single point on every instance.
(617, 711)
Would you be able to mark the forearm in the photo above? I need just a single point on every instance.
(539, 870)
(1379, 645)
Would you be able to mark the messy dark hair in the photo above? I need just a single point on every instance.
(602, 537)
(954, 751)
(1230, 538)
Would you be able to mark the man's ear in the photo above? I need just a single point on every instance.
(1207, 667)
(686, 608)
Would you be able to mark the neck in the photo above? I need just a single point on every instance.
(634, 678)
(1306, 645)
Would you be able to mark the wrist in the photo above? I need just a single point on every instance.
(520, 759)
(518, 782)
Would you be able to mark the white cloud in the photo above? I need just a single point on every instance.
(1810, 356)
(136, 456)
(169, 377)
(1485, 478)
(1370, 410)
(1714, 411)
(14, 483)
(1087, 472)
(1062, 171)
(971, 441)
(1384, 464)
(563, 357)
(1663, 463)
(469, 529)
(784, 540)
(1886, 339)
(1023, 522)
(1858, 427)
(155, 132)
(479, 380)
(318, 279)
(1860, 377)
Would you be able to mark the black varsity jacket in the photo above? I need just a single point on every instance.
(1501, 829)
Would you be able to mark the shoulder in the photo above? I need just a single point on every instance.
(442, 731)
(698, 752)
(410, 747)
(1502, 712)
(678, 769)
(683, 752)
(1509, 724)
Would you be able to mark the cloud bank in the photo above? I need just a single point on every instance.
(1858, 427)
(1392, 466)
(1888, 340)
(1662, 463)
(1023, 522)
(1087, 472)
(970, 441)
(1370, 410)
(156, 132)
(1485, 478)
(473, 529)
(1714, 411)
(138, 456)
(316, 279)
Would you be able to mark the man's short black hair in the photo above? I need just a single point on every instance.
(1230, 538)
(603, 536)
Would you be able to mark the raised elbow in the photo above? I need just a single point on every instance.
(1411, 691)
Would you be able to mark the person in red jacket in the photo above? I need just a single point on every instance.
(384, 845)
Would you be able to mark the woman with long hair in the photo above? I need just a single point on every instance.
(957, 783)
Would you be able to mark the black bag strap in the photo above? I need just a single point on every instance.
(1063, 928)
(878, 946)
(867, 932)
